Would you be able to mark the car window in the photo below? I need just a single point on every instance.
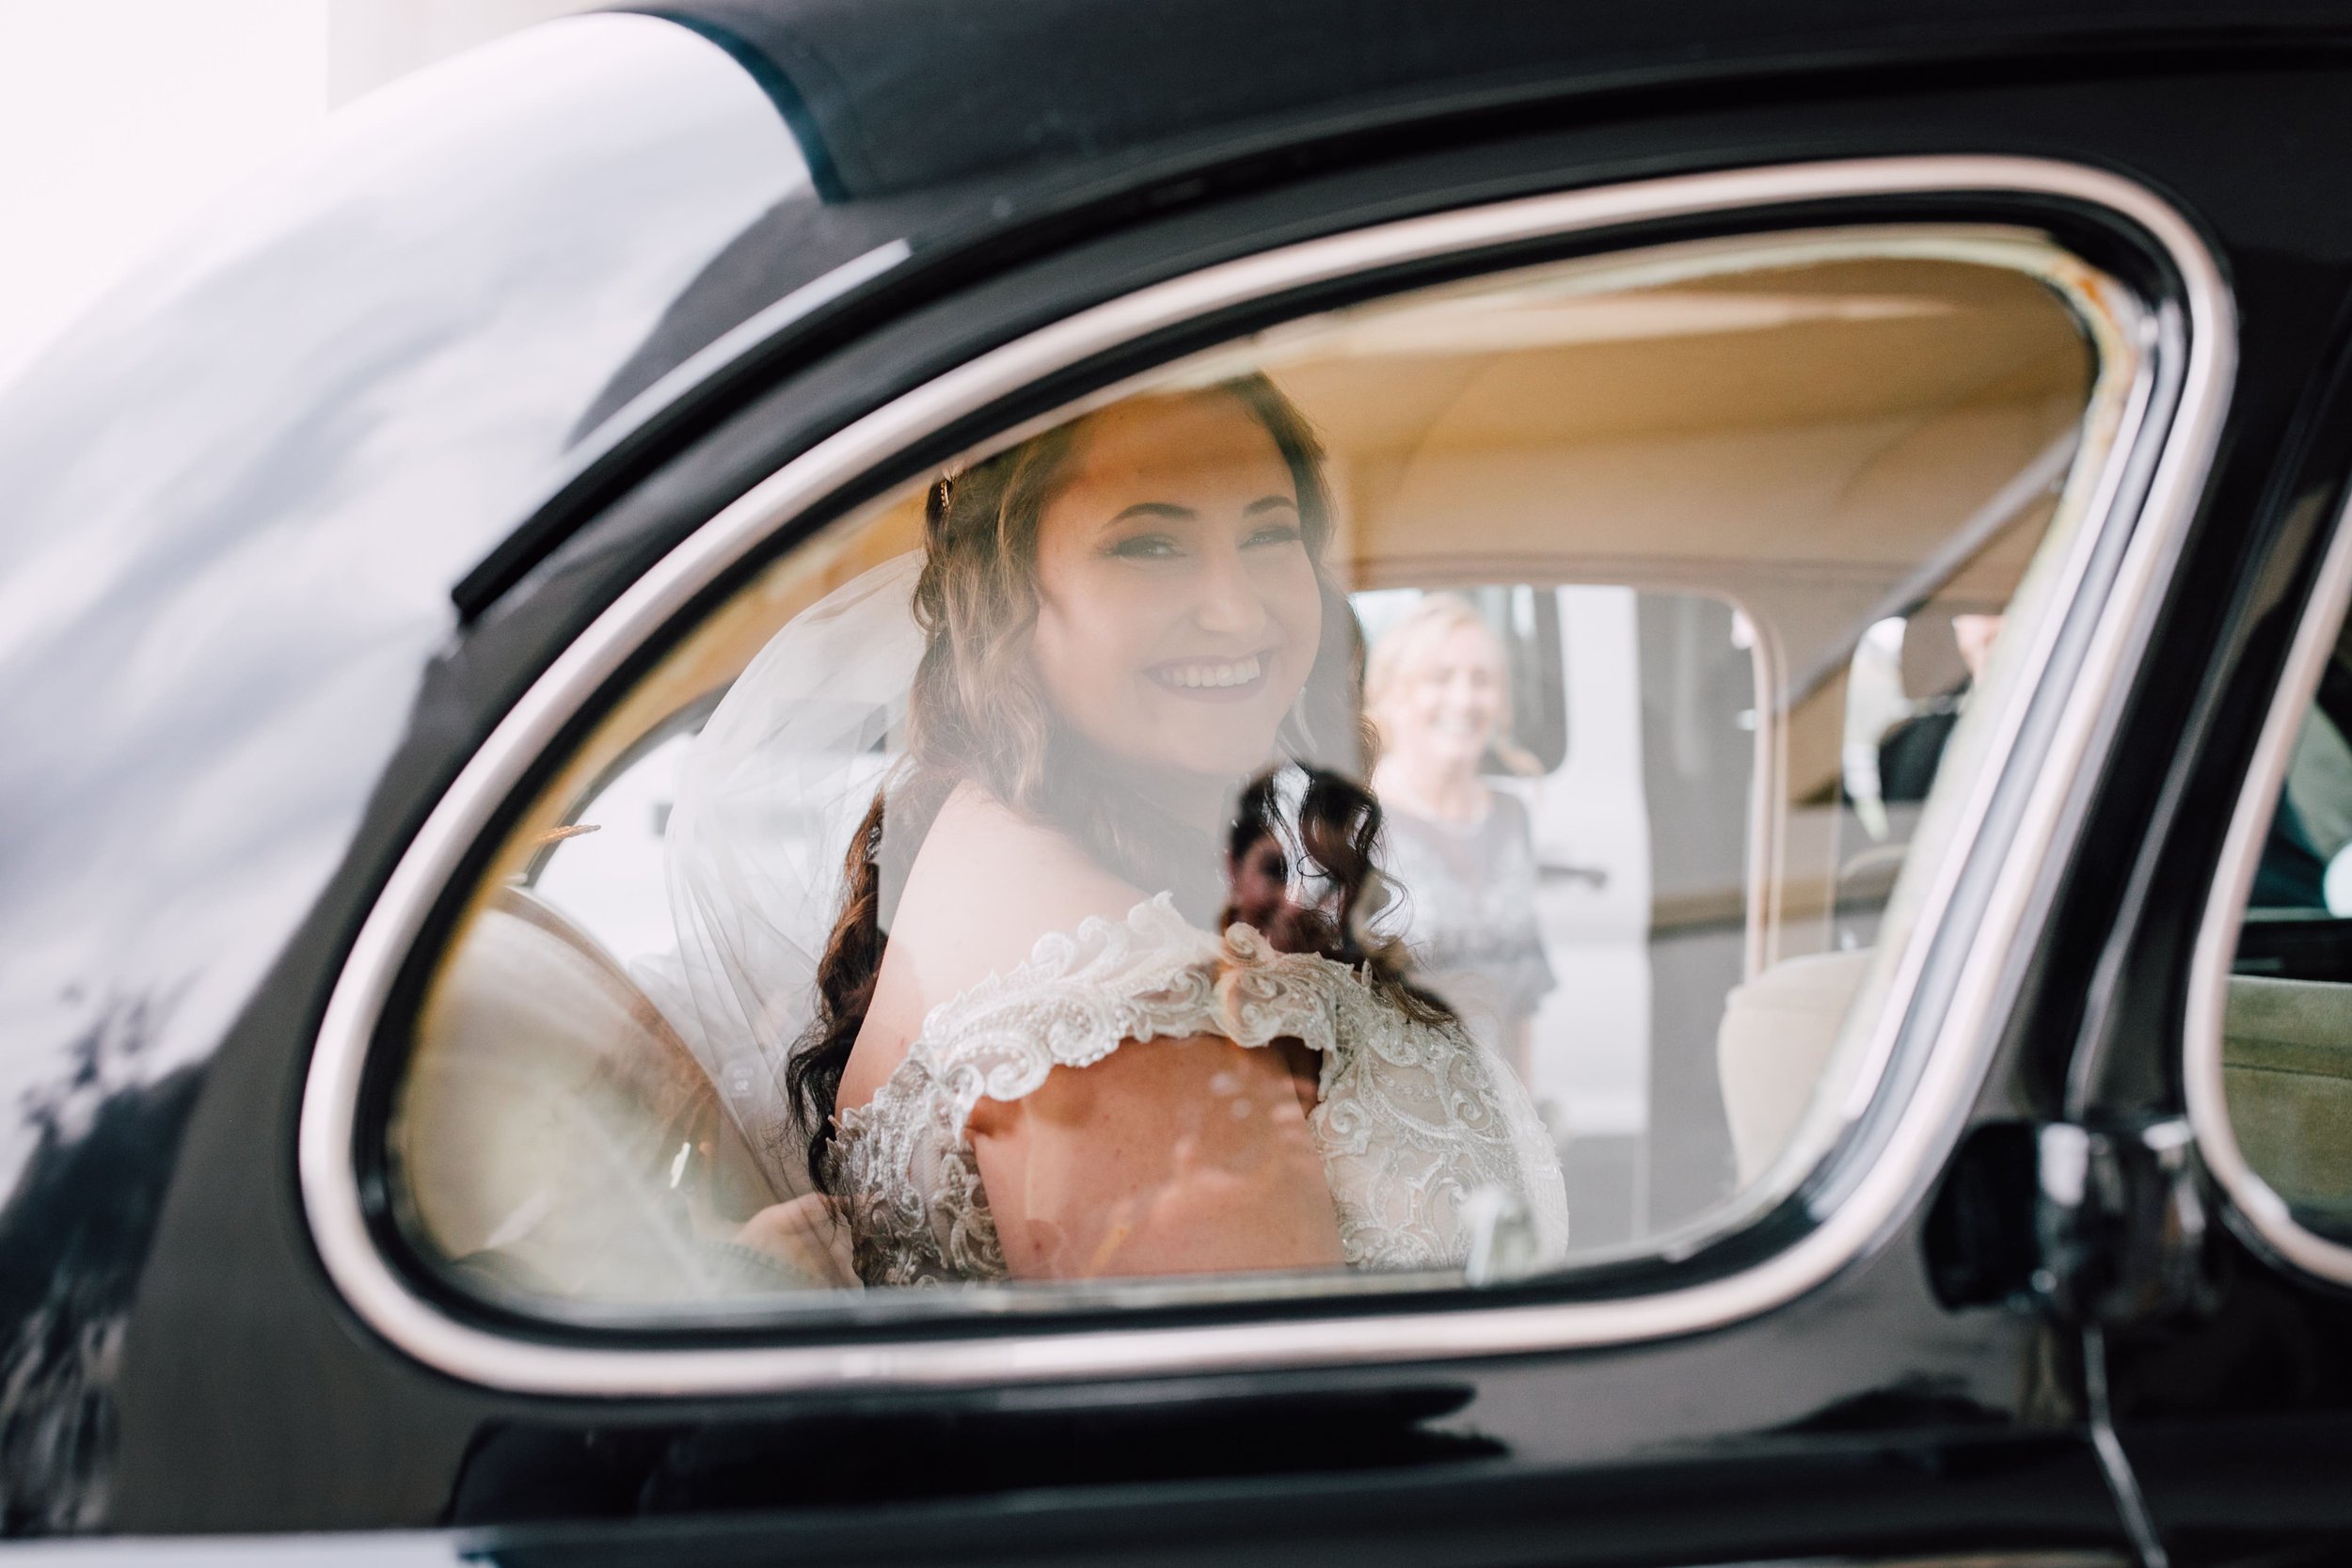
(2286, 1041)
(1425, 795)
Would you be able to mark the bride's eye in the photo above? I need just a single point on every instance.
(1275, 533)
(1144, 546)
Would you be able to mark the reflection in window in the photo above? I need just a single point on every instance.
(1441, 697)
(1408, 798)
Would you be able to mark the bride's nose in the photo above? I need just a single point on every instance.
(1226, 600)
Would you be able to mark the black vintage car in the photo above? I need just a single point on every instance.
(1881, 475)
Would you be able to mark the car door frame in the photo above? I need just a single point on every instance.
(2153, 482)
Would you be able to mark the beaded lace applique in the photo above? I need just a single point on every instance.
(1421, 1131)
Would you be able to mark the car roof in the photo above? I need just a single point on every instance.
(897, 95)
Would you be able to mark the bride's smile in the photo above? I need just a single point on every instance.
(1178, 612)
(1216, 680)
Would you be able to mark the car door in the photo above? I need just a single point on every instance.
(2214, 1296)
(434, 1067)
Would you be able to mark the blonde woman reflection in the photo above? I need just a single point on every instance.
(1021, 1047)
(1438, 691)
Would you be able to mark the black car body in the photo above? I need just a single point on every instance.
(293, 526)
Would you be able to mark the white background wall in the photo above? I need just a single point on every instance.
(119, 119)
(371, 42)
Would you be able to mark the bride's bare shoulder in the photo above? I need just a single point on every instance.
(987, 883)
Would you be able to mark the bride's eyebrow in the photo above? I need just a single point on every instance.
(1269, 504)
(1167, 510)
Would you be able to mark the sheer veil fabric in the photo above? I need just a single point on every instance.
(769, 796)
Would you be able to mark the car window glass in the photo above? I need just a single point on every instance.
(2286, 1045)
(1425, 794)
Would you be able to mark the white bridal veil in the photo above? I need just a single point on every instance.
(770, 794)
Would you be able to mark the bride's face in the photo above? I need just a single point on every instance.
(1178, 609)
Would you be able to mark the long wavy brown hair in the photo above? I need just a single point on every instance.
(978, 711)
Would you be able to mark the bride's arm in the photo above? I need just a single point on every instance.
(1168, 1156)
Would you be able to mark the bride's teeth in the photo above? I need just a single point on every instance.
(1195, 677)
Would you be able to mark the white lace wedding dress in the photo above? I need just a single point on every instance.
(1429, 1142)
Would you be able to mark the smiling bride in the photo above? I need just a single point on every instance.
(1037, 1037)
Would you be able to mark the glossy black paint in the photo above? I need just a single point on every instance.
(1858, 1494)
(930, 93)
(1867, 1418)
(235, 498)
(996, 136)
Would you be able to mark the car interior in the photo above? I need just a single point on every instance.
(1731, 506)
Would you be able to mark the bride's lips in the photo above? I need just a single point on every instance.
(1214, 680)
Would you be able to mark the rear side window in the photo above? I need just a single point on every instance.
(1424, 796)
(2283, 1065)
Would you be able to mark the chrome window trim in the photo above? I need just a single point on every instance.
(1919, 1131)
(2210, 963)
